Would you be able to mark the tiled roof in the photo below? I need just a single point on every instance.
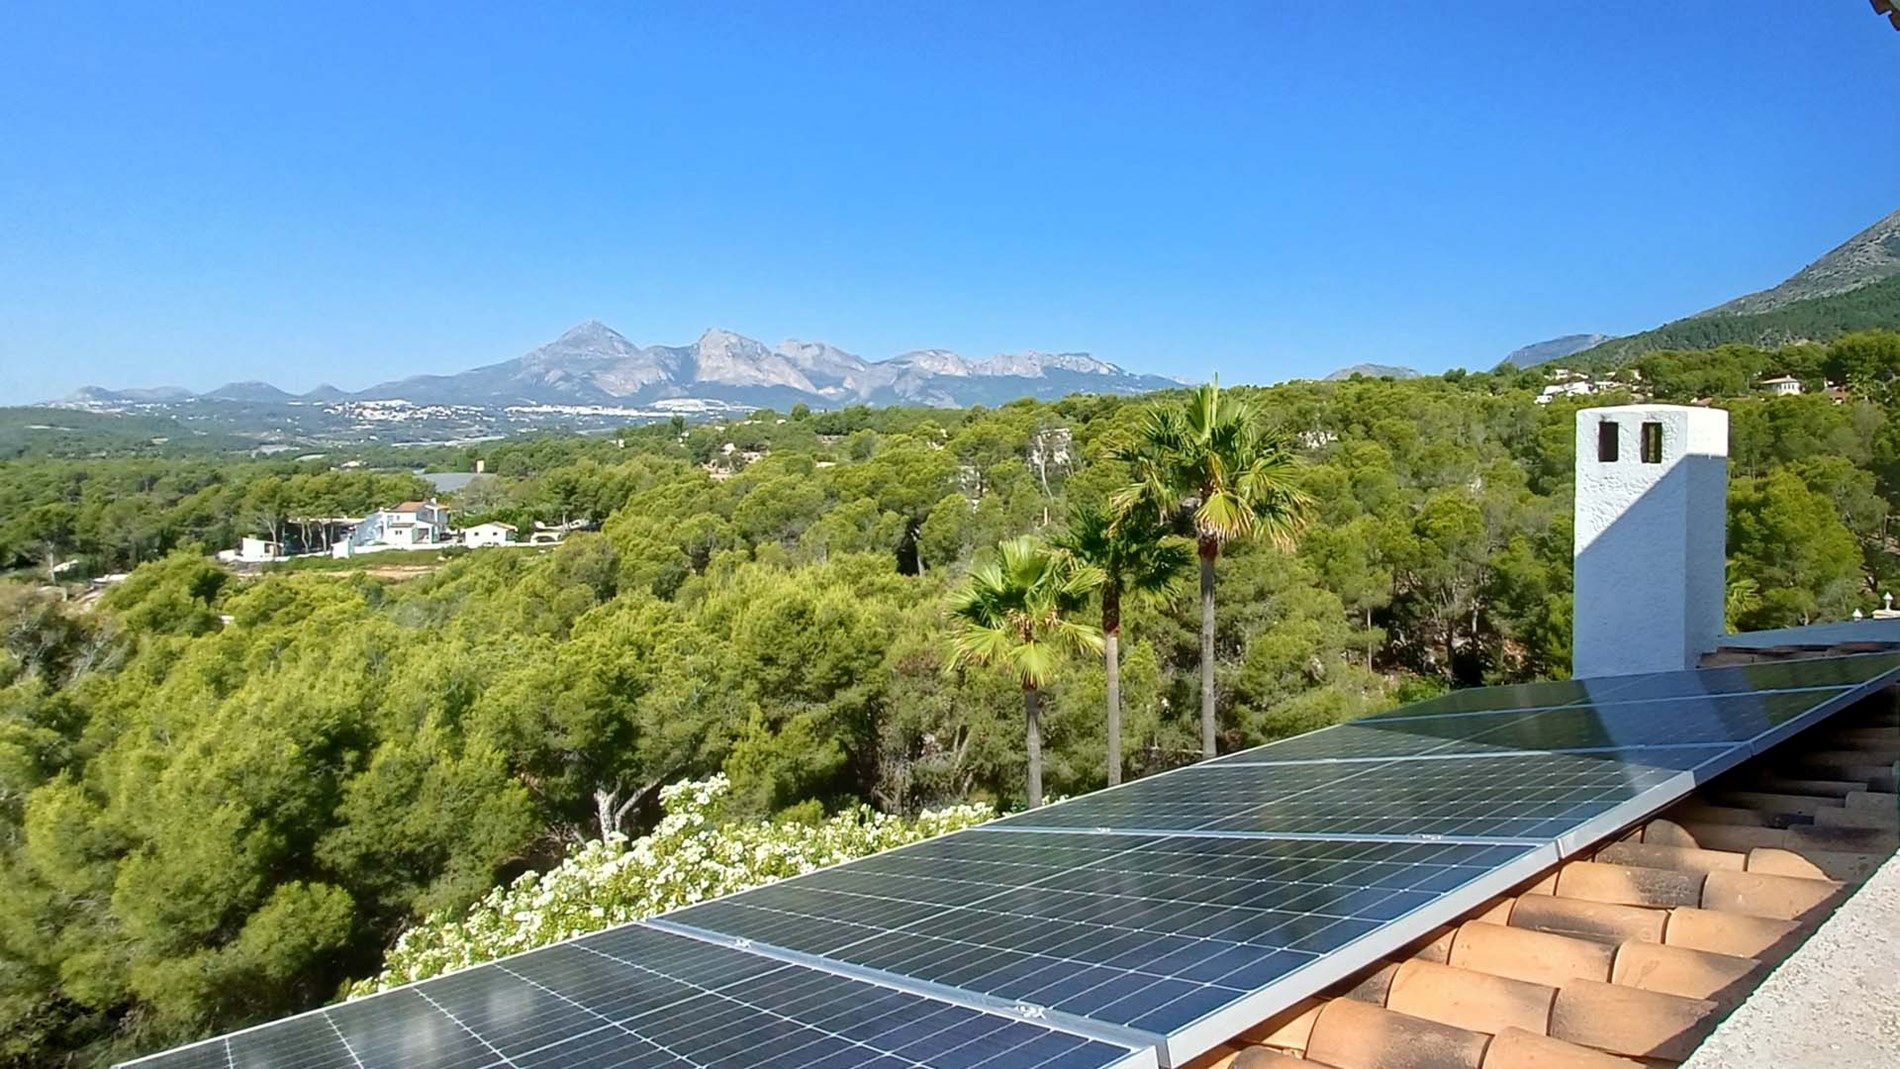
(1632, 955)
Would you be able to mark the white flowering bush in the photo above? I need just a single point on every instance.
(689, 856)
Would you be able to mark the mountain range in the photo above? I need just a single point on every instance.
(592, 364)
(1855, 286)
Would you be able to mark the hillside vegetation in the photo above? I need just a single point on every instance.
(1815, 319)
(224, 798)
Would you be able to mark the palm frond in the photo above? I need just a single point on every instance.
(1210, 456)
(1014, 613)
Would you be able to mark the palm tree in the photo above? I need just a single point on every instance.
(1138, 560)
(1016, 614)
(1208, 462)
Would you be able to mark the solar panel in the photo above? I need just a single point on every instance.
(1174, 936)
(642, 998)
(1133, 926)
(1728, 719)
(1750, 678)
(1699, 682)
(1513, 795)
(1493, 699)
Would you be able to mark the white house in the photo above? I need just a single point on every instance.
(410, 525)
(1579, 388)
(488, 534)
(1782, 385)
(256, 550)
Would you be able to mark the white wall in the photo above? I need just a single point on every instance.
(1650, 541)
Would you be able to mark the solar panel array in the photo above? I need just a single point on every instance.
(1133, 926)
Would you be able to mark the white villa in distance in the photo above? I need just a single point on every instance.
(488, 534)
(410, 525)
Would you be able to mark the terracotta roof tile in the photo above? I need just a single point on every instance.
(1679, 858)
(1466, 998)
(1629, 885)
(1762, 938)
(1515, 1048)
(1685, 972)
(1815, 864)
(1523, 954)
(1759, 894)
(1262, 1058)
(1607, 921)
(1630, 1021)
(1856, 818)
(1353, 1035)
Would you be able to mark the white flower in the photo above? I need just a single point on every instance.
(687, 858)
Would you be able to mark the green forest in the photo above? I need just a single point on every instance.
(223, 796)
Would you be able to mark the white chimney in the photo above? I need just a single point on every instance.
(1651, 519)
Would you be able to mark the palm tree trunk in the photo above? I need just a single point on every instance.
(1032, 717)
(1112, 653)
(1111, 649)
(1209, 550)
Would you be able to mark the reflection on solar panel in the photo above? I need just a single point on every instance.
(1144, 923)
(642, 998)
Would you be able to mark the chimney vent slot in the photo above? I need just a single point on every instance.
(1652, 443)
(1606, 441)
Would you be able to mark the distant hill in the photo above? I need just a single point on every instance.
(1373, 371)
(1816, 319)
(152, 395)
(40, 431)
(1544, 352)
(250, 392)
(1854, 287)
(594, 365)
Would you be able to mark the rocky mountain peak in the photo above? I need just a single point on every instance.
(592, 331)
(1867, 257)
(934, 362)
(1034, 364)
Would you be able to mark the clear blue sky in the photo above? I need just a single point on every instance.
(350, 193)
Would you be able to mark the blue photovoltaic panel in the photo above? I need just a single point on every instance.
(1157, 919)
(1148, 932)
(641, 998)
(1494, 699)
(1726, 720)
(1750, 678)
(1518, 796)
(1793, 675)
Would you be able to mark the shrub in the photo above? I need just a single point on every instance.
(690, 856)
